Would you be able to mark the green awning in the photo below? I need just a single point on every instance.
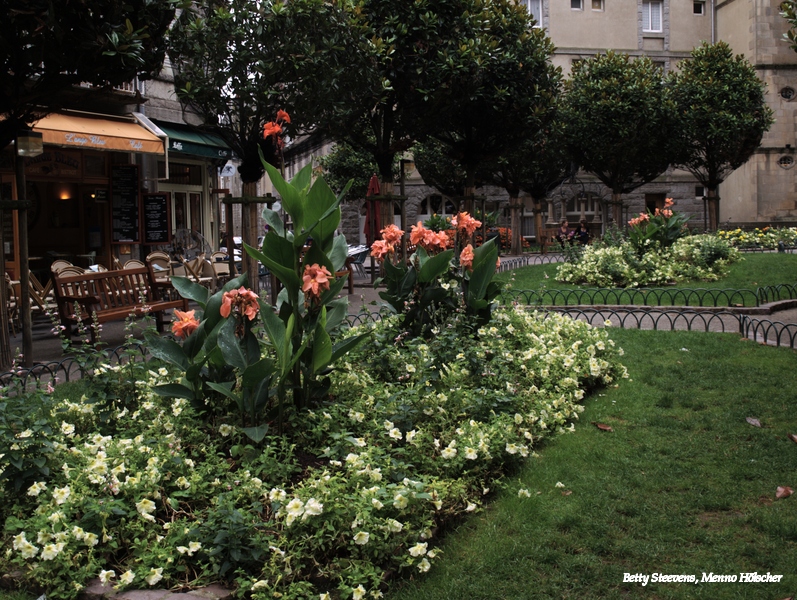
(183, 140)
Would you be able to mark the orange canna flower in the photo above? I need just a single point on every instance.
(668, 202)
(417, 233)
(380, 249)
(245, 301)
(667, 213)
(464, 222)
(283, 117)
(272, 129)
(392, 234)
(185, 324)
(466, 257)
(316, 280)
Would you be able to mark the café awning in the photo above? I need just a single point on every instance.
(185, 140)
(109, 133)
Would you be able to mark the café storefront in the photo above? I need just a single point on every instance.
(84, 190)
(109, 187)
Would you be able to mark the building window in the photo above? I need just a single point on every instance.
(787, 93)
(699, 8)
(576, 5)
(787, 162)
(651, 16)
(597, 4)
(700, 191)
(535, 10)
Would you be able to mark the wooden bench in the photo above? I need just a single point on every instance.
(547, 237)
(112, 296)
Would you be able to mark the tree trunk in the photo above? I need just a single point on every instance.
(537, 219)
(250, 265)
(5, 347)
(713, 209)
(516, 211)
(617, 209)
(24, 267)
(385, 206)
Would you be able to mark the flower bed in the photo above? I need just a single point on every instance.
(691, 258)
(139, 490)
(766, 237)
(659, 251)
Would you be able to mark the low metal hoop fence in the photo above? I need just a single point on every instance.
(765, 331)
(700, 297)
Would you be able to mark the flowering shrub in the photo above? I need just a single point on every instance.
(662, 228)
(766, 237)
(696, 257)
(433, 285)
(415, 432)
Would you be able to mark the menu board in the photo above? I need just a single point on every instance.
(124, 204)
(156, 218)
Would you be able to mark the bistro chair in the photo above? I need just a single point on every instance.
(59, 264)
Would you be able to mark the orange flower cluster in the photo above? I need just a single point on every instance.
(429, 240)
(185, 324)
(274, 128)
(642, 218)
(242, 300)
(464, 222)
(315, 281)
(391, 235)
(466, 257)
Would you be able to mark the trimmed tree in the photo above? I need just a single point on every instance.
(619, 124)
(237, 63)
(536, 167)
(496, 88)
(722, 115)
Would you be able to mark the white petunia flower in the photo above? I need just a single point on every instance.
(361, 538)
(154, 576)
(418, 549)
(523, 493)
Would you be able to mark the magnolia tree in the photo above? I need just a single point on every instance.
(619, 124)
(236, 62)
(722, 116)
(496, 91)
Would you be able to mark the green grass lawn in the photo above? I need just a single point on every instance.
(754, 270)
(682, 485)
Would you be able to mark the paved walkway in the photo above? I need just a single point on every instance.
(47, 347)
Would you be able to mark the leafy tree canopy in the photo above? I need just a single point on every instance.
(49, 47)
(347, 163)
(721, 110)
(789, 12)
(237, 62)
(439, 170)
(496, 87)
(620, 125)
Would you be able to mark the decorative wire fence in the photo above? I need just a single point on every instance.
(772, 333)
(701, 297)
(640, 314)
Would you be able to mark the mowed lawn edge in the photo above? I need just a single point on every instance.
(682, 484)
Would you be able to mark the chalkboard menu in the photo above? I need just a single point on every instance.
(124, 204)
(156, 218)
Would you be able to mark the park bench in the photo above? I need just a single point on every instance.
(547, 237)
(112, 296)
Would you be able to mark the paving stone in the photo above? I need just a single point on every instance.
(214, 591)
(145, 595)
(96, 590)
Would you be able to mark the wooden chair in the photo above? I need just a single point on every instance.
(195, 269)
(133, 264)
(60, 264)
(71, 270)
